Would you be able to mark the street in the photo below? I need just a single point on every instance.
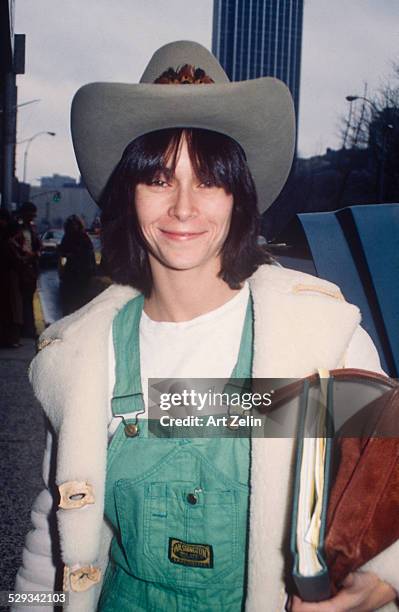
(22, 440)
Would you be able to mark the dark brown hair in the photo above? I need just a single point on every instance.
(214, 157)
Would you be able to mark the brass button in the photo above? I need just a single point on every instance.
(191, 498)
(131, 430)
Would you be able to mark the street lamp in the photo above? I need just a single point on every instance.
(29, 141)
(372, 104)
(23, 104)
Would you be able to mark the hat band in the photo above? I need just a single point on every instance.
(184, 75)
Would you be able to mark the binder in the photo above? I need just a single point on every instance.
(315, 586)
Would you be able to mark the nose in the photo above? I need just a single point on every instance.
(183, 206)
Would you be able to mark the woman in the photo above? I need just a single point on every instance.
(198, 299)
(77, 248)
(27, 214)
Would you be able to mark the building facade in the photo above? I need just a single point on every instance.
(254, 38)
(12, 62)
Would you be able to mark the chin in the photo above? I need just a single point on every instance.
(182, 265)
(187, 261)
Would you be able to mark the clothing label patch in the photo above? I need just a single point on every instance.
(187, 553)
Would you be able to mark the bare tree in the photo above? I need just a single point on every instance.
(373, 124)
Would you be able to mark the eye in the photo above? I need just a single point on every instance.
(158, 182)
(208, 183)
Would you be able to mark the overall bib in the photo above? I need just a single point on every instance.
(178, 506)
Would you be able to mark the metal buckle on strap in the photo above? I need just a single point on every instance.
(131, 429)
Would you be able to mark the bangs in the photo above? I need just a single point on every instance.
(214, 157)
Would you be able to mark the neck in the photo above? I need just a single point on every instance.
(182, 295)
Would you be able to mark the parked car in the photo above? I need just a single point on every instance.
(51, 239)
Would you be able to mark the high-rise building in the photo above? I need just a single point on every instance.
(254, 38)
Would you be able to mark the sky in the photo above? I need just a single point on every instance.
(345, 44)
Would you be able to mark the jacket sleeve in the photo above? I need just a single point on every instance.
(362, 353)
(40, 561)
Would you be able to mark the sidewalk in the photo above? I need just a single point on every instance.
(22, 432)
(22, 440)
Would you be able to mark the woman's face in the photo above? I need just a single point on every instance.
(185, 222)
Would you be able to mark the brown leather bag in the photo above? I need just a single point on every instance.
(363, 507)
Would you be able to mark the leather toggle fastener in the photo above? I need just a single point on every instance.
(75, 494)
(79, 579)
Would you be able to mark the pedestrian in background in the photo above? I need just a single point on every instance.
(17, 274)
(10, 295)
(79, 267)
(32, 246)
(4, 288)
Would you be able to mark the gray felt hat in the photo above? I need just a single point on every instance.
(258, 114)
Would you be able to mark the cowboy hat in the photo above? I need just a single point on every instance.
(258, 114)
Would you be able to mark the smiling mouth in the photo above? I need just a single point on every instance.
(181, 235)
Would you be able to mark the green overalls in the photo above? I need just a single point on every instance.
(179, 506)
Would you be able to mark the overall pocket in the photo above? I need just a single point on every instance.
(182, 532)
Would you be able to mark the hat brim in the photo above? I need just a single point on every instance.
(258, 114)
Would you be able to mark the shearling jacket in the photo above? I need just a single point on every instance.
(301, 323)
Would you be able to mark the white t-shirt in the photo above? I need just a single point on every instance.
(204, 347)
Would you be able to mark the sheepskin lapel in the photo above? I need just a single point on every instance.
(301, 324)
(70, 379)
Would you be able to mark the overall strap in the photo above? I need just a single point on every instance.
(241, 376)
(243, 367)
(127, 394)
